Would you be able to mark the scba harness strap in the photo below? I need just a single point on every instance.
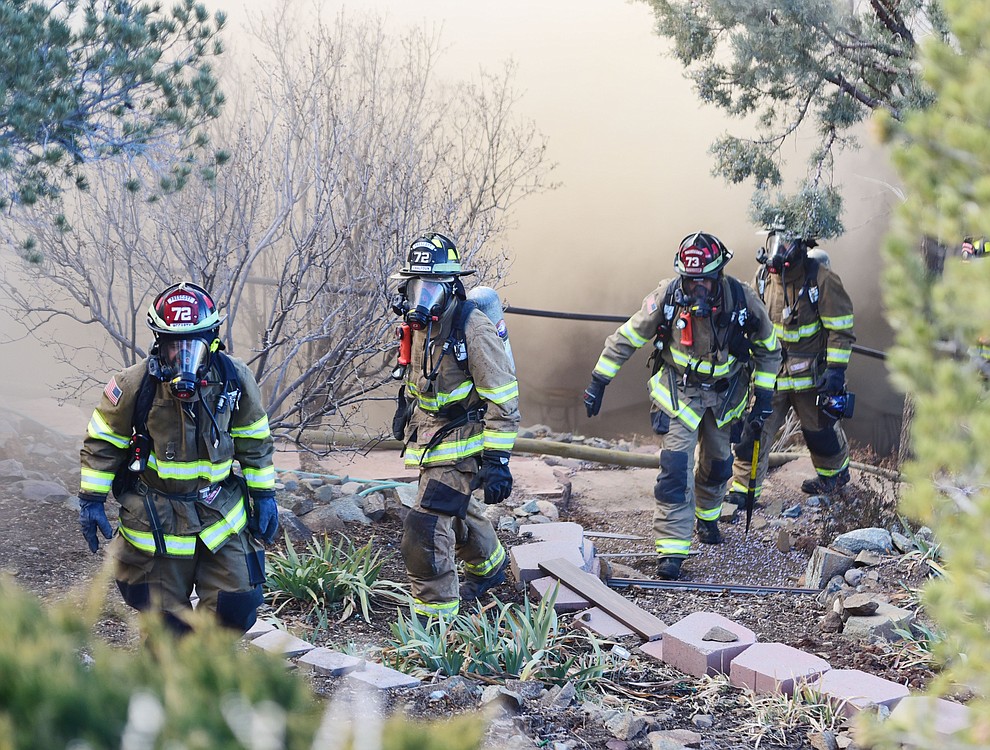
(141, 443)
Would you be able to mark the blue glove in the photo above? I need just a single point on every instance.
(495, 476)
(93, 516)
(761, 410)
(833, 381)
(263, 522)
(594, 394)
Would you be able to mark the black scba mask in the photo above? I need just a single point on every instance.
(695, 296)
(423, 301)
(184, 363)
(781, 253)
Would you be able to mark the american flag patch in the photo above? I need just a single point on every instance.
(651, 304)
(112, 392)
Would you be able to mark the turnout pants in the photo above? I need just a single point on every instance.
(823, 435)
(227, 580)
(687, 489)
(447, 524)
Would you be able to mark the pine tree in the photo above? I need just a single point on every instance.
(818, 66)
(84, 80)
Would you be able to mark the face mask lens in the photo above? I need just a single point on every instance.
(427, 300)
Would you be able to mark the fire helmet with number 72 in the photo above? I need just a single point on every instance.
(186, 324)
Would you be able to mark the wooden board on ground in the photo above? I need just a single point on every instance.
(591, 588)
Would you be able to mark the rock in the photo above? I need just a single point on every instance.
(528, 689)
(322, 520)
(720, 635)
(626, 726)
(673, 739)
(867, 559)
(548, 509)
(349, 510)
(881, 624)
(825, 564)
(872, 539)
(831, 622)
(296, 529)
(508, 524)
(823, 741)
(853, 576)
(784, 541)
(703, 721)
(792, 512)
(406, 493)
(40, 491)
(901, 543)
(298, 505)
(327, 493)
(860, 605)
(373, 505)
(11, 470)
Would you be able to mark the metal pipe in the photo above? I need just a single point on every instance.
(728, 588)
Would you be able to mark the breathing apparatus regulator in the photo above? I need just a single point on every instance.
(837, 405)
(699, 261)
(186, 325)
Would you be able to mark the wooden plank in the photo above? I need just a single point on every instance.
(610, 535)
(591, 588)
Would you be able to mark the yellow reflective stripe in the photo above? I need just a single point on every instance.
(630, 335)
(436, 609)
(233, 523)
(446, 451)
(660, 394)
(833, 472)
(838, 323)
(484, 569)
(791, 335)
(501, 394)
(259, 479)
(733, 414)
(673, 546)
(258, 430)
(770, 342)
(702, 366)
(743, 489)
(440, 400)
(763, 379)
(190, 470)
(787, 383)
(606, 367)
(98, 482)
(178, 546)
(837, 356)
(499, 441)
(100, 430)
(709, 515)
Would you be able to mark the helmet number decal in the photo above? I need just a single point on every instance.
(182, 315)
(421, 256)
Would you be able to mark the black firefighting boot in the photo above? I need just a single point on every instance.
(825, 485)
(475, 586)
(736, 498)
(708, 532)
(669, 568)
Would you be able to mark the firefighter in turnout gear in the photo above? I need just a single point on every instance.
(813, 318)
(458, 414)
(712, 338)
(164, 438)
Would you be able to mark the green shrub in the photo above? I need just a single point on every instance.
(331, 576)
(62, 687)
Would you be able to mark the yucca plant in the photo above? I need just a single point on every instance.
(331, 575)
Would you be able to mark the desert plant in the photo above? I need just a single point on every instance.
(918, 646)
(501, 640)
(331, 575)
(773, 715)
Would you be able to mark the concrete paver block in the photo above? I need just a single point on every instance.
(856, 690)
(930, 719)
(774, 668)
(382, 677)
(280, 642)
(684, 647)
(330, 663)
(567, 599)
(526, 558)
(559, 531)
(599, 621)
(653, 649)
(260, 627)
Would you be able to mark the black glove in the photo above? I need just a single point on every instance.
(833, 381)
(747, 439)
(402, 415)
(594, 394)
(495, 476)
(263, 521)
(761, 410)
(93, 516)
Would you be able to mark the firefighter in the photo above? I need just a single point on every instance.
(712, 339)
(813, 318)
(164, 437)
(458, 416)
(975, 247)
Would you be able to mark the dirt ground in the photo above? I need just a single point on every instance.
(45, 554)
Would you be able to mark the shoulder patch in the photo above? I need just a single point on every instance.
(112, 391)
(651, 303)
